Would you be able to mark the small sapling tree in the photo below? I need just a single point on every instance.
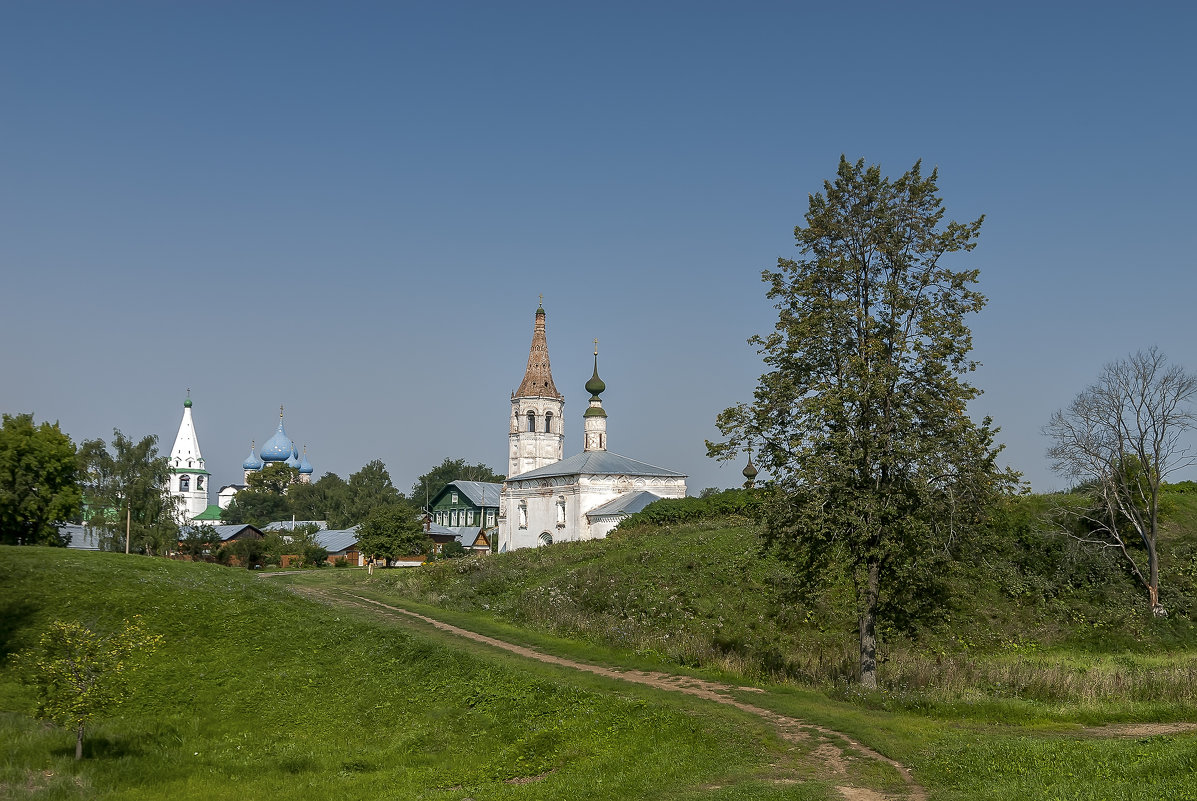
(80, 674)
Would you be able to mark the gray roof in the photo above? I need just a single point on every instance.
(80, 537)
(626, 504)
(602, 463)
(225, 533)
(480, 493)
(289, 525)
(337, 540)
(463, 534)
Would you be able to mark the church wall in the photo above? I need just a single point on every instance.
(581, 494)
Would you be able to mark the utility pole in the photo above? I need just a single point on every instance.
(128, 523)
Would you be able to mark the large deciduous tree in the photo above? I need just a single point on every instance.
(861, 418)
(38, 481)
(370, 488)
(128, 488)
(392, 531)
(1121, 439)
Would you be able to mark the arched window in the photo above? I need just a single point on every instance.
(199, 483)
(523, 514)
(545, 538)
(561, 511)
(532, 422)
(548, 422)
(184, 483)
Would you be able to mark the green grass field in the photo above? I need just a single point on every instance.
(1041, 678)
(260, 694)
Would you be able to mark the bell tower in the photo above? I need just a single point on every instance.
(188, 478)
(537, 432)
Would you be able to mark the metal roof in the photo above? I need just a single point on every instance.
(480, 493)
(80, 537)
(603, 463)
(289, 525)
(626, 504)
(337, 540)
(225, 533)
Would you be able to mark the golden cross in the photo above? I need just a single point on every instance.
(596, 346)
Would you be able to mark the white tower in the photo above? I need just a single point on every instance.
(537, 434)
(188, 478)
(594, 419)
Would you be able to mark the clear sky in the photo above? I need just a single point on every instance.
(351, 208)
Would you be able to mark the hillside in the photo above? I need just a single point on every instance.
(258, 693)
(1012, 613)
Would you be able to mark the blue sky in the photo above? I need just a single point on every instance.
(351, 208)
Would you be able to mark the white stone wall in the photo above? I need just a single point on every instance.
(581, 494)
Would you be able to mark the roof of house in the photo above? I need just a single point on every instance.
(480, 493)
(463, 534)
(602, 463)
(80, 537)
(211, 513)
(626, 504)
(290, 525)
(337, 540)
(225, 533)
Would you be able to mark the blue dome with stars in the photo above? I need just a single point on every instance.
(305, 467)
(252, 462)
(278, 448)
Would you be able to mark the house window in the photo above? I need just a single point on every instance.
(470, 518)
(548, 422)
(454, 498)
(199, 482)
(523, 514)
(184, 483)
(490, 517)
(532, 422)
(545, 538)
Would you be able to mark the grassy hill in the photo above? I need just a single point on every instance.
(258, 693)
(1020, 613)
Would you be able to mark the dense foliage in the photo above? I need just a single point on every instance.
(709, 592)
(127, 490)
(389, 532)
(275, 493)
(861, 417)
(38, 481)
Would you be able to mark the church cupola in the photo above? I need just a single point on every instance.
(252, 463)
(278, 448)
(594, 419)
(536, 436)
(749, 473)
(305, 467)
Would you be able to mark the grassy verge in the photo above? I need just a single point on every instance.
(260, 694)
(984, 747)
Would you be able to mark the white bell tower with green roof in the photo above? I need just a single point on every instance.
(188, 477)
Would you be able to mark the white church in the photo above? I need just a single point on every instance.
(189, 479)
(548, 498)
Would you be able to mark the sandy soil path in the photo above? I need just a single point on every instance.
(834, 749)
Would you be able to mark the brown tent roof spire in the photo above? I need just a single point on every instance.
(538, 378)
